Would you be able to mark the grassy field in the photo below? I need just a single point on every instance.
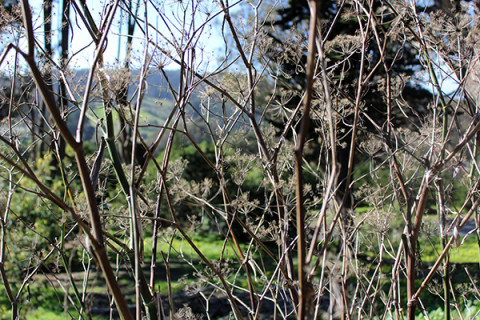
(185, 266)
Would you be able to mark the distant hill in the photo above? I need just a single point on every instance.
(156, 106)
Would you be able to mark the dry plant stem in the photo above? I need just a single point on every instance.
(174, 222)
(399, 177)
(3, 223)
(12, 94)
(201, 255)
(97, 241)
(332, 136)
(270, 162)
(169, 281)
(177, 111)
(321, 283)
(379, 282)
(30, 275)
(455, 301)
(148, 299)
(443, 236)
(11, 191)
(472, 281)
(136, 226)
(67, 265)
(400, 180)
(305, 291)
(448, 244)
(95, 220)
(410, 237)
(98, 57)
(242, 259)
(357, 106)
(444, 252)
(229, 203)
(161, 188)
(352, 154)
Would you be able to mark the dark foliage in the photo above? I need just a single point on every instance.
(344, 68)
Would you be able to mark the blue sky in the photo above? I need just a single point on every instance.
(169, 12)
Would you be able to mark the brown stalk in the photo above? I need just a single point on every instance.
(305, 292)
(204, 259)
(135, 223)
(3, 235)
(169, 281)
(270, 163)
(242, 259)
(443, 236)
(444, 253)
(161, 189)
(348, 186)
(410, 238)
(216, 271)
(332, 136)
(98, 58)
(97, 236)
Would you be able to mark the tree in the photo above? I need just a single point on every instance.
(361, 65)
(9, 21)
(126, 133)
(345, 64)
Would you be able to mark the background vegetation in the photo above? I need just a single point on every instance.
(321, 164)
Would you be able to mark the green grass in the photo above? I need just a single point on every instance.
(210, 247)
(45, 314)
(467, 252)
(468, 312)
